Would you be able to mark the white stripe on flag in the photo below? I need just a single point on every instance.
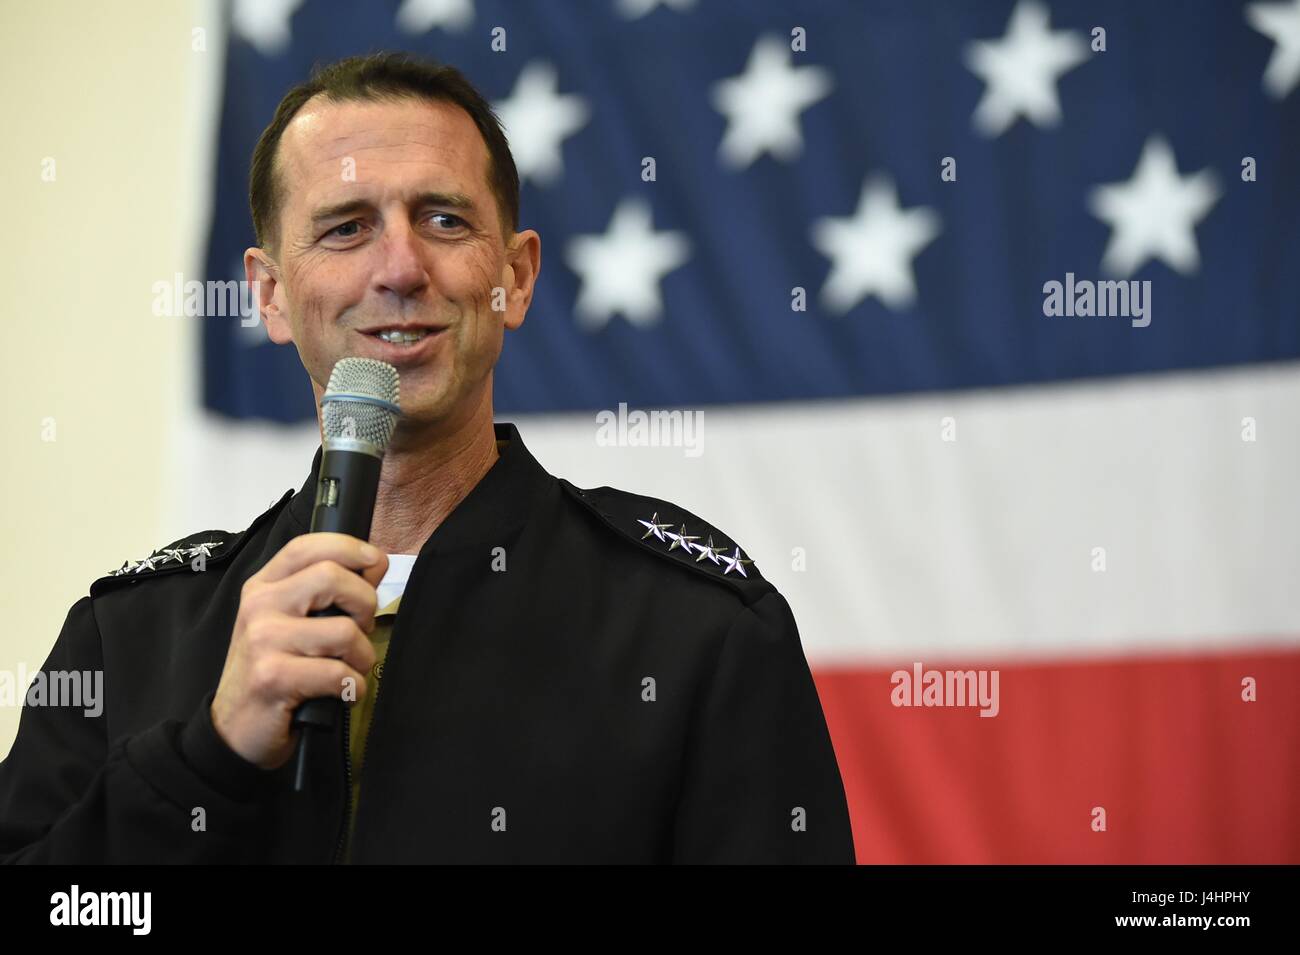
(919, 548)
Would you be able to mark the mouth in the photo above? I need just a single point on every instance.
(401, 341)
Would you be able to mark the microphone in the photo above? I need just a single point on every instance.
(359, 411)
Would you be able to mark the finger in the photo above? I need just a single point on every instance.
(330, 637)
(323, 585)
(307, 549)
(374, 573)
(309, 678)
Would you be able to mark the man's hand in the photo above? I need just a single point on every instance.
(280, 657)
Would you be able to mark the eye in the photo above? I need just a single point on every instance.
(335, 231)
(448, 215)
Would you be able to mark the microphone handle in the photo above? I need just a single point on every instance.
(345, 504)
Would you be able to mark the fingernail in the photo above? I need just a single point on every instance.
(370, 553)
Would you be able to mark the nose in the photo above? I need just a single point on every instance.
(400, 269)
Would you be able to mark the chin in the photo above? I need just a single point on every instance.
(422, 414)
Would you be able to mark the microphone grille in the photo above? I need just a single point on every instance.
(361, 402)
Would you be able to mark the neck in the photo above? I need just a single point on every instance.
(427, 471)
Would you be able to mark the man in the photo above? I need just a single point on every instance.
(568, 675)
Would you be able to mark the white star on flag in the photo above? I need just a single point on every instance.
(264, 23)
(1154, 214)
(1280, 22)
(621, 270)
(762, 105)
(871, 251)
(1021, 70)
(420, 16)
(635, 9)
(537, 118)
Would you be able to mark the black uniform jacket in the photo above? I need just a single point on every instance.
(604, 696)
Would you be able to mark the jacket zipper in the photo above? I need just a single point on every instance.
(347, 783)
(347, 749)
(365, 746)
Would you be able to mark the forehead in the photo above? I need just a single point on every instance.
(406, 142)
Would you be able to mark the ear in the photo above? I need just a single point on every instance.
(523, 262)
(263, 276)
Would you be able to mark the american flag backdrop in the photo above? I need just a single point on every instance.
(832, 229)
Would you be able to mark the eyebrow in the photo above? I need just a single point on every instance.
(452, 200)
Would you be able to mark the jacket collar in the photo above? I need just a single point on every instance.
(493, 509)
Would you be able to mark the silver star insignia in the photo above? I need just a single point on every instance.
(680, 539)
(735, 562)
(205, 548)
(652, 527)
(160, 558)
(708, 551)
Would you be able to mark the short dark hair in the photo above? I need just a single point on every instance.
(381, 77)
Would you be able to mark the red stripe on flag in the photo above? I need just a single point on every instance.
(1186, 771)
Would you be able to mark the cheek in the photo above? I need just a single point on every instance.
(480, 339)
(483, 275)
(483, 326)
(322, 283)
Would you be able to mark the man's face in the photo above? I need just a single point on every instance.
(387, 221)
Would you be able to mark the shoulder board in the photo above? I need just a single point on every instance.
(673, 533)
(193, 552)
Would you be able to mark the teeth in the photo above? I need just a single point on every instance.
(398, 337)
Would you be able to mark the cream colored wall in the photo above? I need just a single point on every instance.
(116, 96)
